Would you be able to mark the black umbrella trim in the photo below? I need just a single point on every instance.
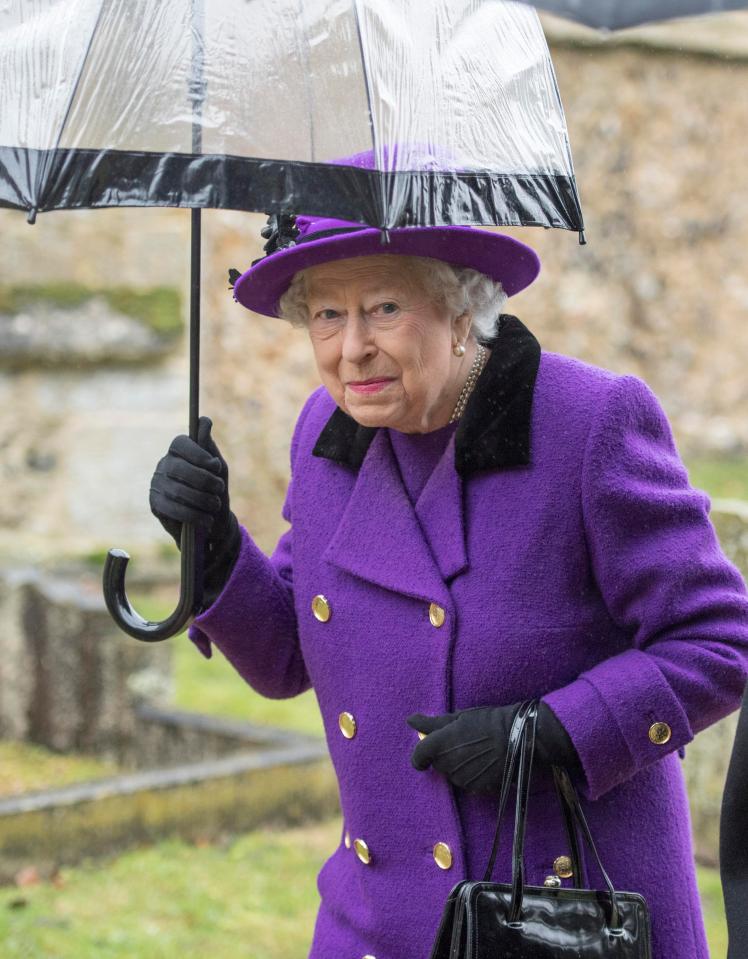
(76, 179)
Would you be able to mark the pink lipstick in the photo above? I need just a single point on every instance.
(368, 386)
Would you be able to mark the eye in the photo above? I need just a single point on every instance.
(386, 308)
(326, 316)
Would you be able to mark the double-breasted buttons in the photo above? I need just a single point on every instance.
(362, 850)
(321, 608)
(347, 724)
(659, 733)
(562, 866)
(436, 615)
(442, 855)
(347, 839)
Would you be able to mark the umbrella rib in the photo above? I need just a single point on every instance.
(367, 84)
(44, 165)
(303, 48)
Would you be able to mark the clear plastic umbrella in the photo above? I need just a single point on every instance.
(248, 105)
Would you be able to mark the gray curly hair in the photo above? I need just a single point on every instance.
(459, 289)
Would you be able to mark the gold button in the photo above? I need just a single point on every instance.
(362, 850)
(420, 734)
(442, 855)
(321, 608)
(347, 839)
(436, 615)
(347, 725)
(659, 733)
(562, 866)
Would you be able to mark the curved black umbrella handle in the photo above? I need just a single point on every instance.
(190, 586)
(192, 541)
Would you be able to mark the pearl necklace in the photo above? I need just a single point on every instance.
(475, 370)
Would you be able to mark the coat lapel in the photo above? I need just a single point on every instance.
(440, 514)
(381, 536)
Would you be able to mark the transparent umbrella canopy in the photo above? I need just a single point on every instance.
(246, 105)
(250, 104)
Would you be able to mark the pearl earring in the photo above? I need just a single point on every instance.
(458, 349)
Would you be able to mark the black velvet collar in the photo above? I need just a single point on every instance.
(494, 430)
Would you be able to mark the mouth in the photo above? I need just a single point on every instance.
(373, 385)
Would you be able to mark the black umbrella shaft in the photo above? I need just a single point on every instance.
(193, 541)
(195, 263)
(197, 95)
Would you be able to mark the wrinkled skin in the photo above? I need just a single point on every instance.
(369, 317)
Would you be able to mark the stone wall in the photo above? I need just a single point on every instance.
(660, 290)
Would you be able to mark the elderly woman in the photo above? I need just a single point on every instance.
(474, 521)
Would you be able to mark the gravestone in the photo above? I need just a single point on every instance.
(69, 677)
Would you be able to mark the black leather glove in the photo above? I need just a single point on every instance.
(191, 484)
(470, 746)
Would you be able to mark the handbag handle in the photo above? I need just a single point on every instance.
(515, 736)
(521, 747)
(558, 772)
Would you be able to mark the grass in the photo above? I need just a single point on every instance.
(254, 896)
(213, 686)
(724, 478)
(25, 767)
(158, 308)
(713, 906)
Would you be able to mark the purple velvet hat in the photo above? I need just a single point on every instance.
(320, 240)
(297, 242)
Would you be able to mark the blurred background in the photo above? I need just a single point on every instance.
(93, 387)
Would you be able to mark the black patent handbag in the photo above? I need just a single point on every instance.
(496, 920)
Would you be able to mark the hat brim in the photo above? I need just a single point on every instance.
(514, 264)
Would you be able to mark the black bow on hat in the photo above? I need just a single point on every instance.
(280, 231)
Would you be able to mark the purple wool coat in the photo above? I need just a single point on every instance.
(573, 562)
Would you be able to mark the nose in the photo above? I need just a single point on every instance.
(358, 340)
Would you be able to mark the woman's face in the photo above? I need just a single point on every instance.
(383, 347)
